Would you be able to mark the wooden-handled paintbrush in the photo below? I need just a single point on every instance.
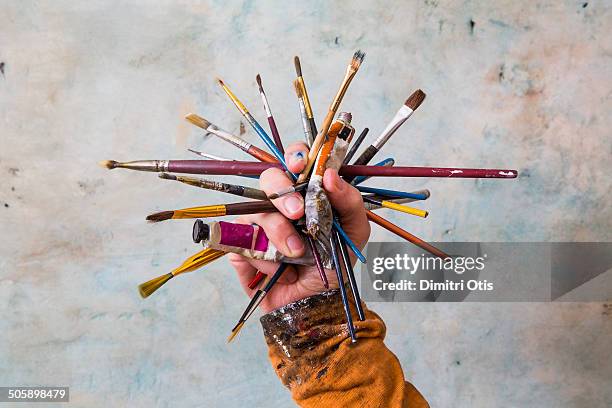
(351, 71)
(277, 139)
(234, 189)
(256, 300)
(228, 137)
(412, 103)
(402, 233)
(252, 207)
(192, 263)
(300, 86)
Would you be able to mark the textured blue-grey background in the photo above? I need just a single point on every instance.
(518, 84)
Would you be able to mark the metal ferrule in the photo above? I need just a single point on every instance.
(145, 165)
(306, 123)
(307, 106)
(235, 140)
(265, 104)
(398, 120)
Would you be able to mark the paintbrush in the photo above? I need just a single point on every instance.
(351, 71)
(219, 210)
(397, 207)
(210, 156)
(271, 122)
(389, 226)
(348, 267)
(244, 168)
(404, 171)
(317, 258)
(256, 300)
(214, 167)
(348, 241)
(347, 310)
(192, 263)
(370, 206)
(305, 98)
(254, 124)
(411, 104)
(388, 162)
(392, 193)
(235, 189)
(306, 123)
(293, 189)
(240, 143)
(355, 146)
(259, 276)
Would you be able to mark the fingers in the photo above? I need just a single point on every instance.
(245, 271)
(247, 268)
(348, 204)
(291, 205)
(280, 231)
(296, 156)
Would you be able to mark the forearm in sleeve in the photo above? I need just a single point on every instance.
(312, 353)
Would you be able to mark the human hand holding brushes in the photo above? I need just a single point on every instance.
(298, 281)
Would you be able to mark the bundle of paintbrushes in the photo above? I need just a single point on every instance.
(331, 146)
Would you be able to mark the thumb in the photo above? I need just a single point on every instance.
(348, 204)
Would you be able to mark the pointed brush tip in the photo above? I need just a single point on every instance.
(166, 176)
(108, 164)
(298, 66)
(160, 216)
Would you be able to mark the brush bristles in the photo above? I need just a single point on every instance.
(258, 79)
(235, 332)
(298, 66)
(415, 100)
(358, 57)
(108, 164)
(298, 89)
(220, 81)
(160, 216)
(198, 121)
(167, 176)
(147, 288)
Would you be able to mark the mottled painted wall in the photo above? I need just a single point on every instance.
(519, 84)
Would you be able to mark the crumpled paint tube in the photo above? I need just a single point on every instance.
(318, 209)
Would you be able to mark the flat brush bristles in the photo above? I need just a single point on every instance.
(235, 331)
(258, 80)
(160, 216)
(149, 287)
(358, 57)
(415, 100)
(198, 121)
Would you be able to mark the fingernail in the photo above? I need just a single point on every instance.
(293, 204)
(295, 243)
(297, 157)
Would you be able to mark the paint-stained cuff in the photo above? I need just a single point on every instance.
(303, 335)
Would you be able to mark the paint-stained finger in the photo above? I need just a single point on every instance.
(296, 156)
(290, 205)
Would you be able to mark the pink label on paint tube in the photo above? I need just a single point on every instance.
(243, 236)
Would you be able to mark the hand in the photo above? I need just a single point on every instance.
(298, 282)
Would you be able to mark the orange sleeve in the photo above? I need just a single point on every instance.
(312, 353)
